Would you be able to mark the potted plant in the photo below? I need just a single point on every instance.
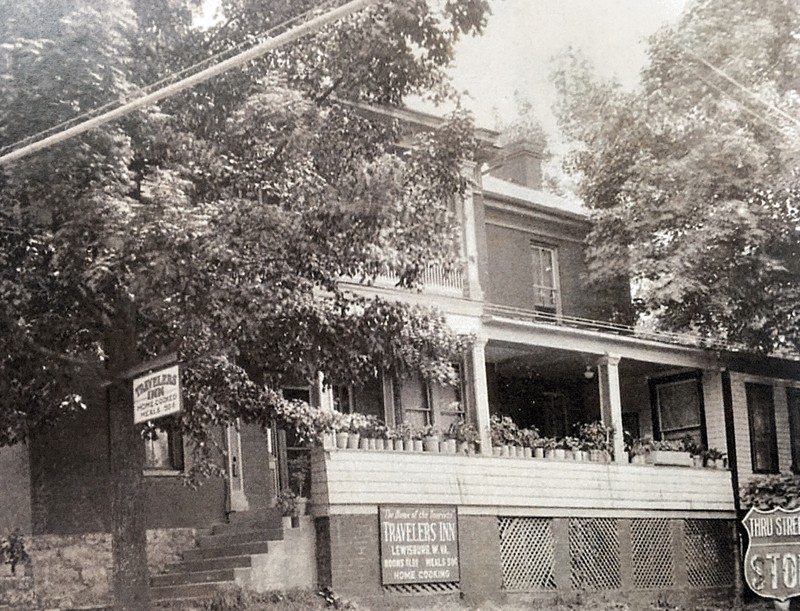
(430, 438)
(538, 447)
(669, 452)
(357, 423)
(466, 436)
(597, 439)
(560, 451)
(549, 444)
(342, 431)
(573, 447)
(504, 434)
(528, 437)
(713, 458)
(289, 508)
(638, 451)
(299, 467)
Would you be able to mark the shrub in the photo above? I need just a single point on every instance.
(12, 550)
(771, 491)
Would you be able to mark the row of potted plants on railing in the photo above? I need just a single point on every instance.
(592, 441)
(684, 452)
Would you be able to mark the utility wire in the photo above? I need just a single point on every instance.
(727, 94)
(167, 79)
(190, 81)
(752, 94)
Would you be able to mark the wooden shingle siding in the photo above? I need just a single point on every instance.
(344, 480)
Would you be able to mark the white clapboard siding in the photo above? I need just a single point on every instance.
(344, 480)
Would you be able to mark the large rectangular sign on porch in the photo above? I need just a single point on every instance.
(157, 394)
(419, 544)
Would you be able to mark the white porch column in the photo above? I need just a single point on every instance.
(611, 402)
(479, 393)
(324, 393)
(470, 236)
(237, 500)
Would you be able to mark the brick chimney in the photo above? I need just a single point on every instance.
(520, 162)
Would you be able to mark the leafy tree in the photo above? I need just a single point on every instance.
(219, 223)
(693, 176)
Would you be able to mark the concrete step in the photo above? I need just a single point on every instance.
(242, 549)
(210, 564)
(255, 525)
(189, 591)
(176, 579)
(266, 514)
(237, 538)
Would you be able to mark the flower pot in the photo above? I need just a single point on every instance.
(560, 454)
(380, 444)
(538, 452)
(497, 450)
(584, 455)
(448, 446)
(463, 447)
(363, 444)
(353, 440)
(595, 456)
(329, 441)
(430, 444)
(416, 445)
(505, 451)
(398, 445)
(371, 443)
(667, 458)
(527, 452)
(638, 459)
(341, 440)
(520, 451)
(697, 461)
(550, 453)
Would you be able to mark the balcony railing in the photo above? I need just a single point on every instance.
(683, 339)
(436, 279)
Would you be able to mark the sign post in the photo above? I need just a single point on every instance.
(772, 559)
(419, 544)
(157, 394)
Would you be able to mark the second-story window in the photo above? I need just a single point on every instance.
(545, 279)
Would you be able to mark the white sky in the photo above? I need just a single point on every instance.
(523, 36)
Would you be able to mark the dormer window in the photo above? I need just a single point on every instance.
(546, 296)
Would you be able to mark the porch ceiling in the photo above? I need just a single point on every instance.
(522, 360)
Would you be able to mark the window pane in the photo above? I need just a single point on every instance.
(368, 398)
(763, 442)
(545, 283)
(411, 401)
(164, 452)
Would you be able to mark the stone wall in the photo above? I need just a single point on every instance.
(75, 570)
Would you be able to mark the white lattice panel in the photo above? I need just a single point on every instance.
(653, 554)
(594, 554)
(527, 554)
(709, 552)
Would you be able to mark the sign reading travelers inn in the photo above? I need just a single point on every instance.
(419, 544)
(157, 394)
(772, 559)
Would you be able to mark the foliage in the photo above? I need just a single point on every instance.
(219, 217)
(693, 176)
(596, 436)
(299, 467)
(12, 550)
(288, 502)
(503, 431)
(463, 432)
(770, 491)
(712, 454)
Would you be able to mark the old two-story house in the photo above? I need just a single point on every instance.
(391, 523)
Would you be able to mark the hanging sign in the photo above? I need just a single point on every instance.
(772, 559)
(419, 544)
(157, 394)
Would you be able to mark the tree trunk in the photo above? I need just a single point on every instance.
(126, 453)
